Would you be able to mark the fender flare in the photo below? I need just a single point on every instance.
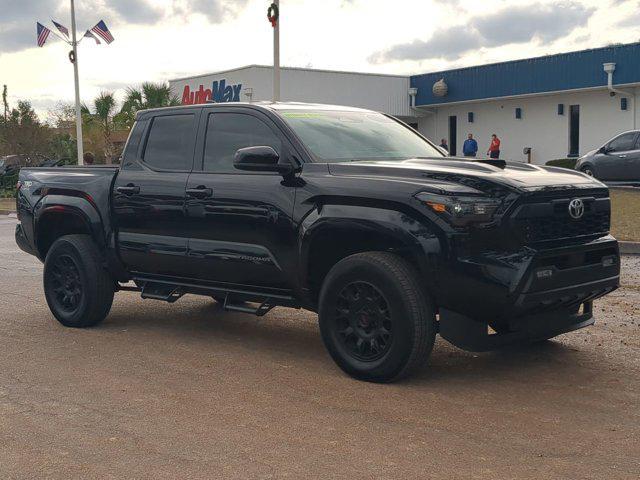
(67, 205)
(406, 230)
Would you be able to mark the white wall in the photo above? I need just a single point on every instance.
(383, 93)
(540, 128)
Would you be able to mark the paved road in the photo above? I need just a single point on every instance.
(189, 391)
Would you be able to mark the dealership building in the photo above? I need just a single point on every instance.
(558, 106)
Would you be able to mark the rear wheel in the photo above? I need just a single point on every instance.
(78, 289)
(376, 320)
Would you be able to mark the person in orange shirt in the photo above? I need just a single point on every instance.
(494, 148)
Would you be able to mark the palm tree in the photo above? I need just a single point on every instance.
(149, 95)
(105, 104)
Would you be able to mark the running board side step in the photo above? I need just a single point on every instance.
(265, 307)
(167, 293)
(170, 290)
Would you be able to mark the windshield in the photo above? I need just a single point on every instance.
(1, 162)
(336, 136)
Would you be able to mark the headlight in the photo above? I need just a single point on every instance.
(460, 210)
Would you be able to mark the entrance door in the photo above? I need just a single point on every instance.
(453, 135)
(239, 223)
(149, 194)
(574, 130)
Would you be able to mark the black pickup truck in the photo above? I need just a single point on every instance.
(345, 212)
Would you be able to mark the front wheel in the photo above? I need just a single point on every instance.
(588, 170)
(78, 288)
(376, 320)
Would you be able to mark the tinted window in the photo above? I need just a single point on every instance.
(344, 136)
(622, 143)
(228, 132)
(169, 143)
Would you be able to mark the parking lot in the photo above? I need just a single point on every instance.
(190, 391)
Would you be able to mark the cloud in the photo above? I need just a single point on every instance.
(18, 19)
(445, 43)
(217, 11)
(516, 24)
(524, 23)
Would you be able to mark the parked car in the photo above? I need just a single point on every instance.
(9, 165)
(341, 211)
(616, 160)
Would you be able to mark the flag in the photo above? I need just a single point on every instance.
(102, 30)
(91, 35)
(43, 34)
(64, 30)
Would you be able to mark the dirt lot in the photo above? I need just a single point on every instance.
(189, 391)
(625, 219)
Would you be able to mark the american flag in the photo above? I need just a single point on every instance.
(43, 34)
(64, 30)
(90, 34)
(102, 30)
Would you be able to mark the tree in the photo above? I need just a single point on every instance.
(149, 95)
(22, 133)
(105, 105)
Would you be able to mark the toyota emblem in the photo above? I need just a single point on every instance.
(576, 208)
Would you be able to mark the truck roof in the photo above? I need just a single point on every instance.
(276, 106)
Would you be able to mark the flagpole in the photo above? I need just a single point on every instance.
(276, 56)
(77, 85)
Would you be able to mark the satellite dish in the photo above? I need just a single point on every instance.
(440, 88)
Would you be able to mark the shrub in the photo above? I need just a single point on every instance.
(569, 163)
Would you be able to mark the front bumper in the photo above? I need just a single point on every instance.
(496, 287)
(23, 242)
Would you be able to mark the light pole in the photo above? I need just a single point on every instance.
(74, 43)
(273, 15)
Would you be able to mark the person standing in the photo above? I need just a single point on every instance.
(443, 144)
(470, 146)
(494, 148)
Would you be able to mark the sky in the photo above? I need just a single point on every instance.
(157, 40)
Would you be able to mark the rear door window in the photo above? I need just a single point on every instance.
(170, 143)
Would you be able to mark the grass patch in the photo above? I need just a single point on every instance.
(625, 214)
(7, 204)
(569, 163)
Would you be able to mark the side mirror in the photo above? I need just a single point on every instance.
(604, 149)
(260, 159)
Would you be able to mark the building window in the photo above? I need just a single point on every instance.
(470, 117)
(519, 113)
(623, 104)
(561, 109)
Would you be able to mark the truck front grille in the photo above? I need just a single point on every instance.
(540, 221)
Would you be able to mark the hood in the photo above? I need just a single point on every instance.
(514, 175)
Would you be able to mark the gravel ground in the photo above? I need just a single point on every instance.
(190, 391)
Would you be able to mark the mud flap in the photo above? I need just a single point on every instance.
(473, 336)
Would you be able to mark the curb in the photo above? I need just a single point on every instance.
(629, 248)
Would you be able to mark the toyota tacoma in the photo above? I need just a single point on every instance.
(345, 212)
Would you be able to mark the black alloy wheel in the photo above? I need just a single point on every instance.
(363, 321)
(78, 288)
(376, 318)
(65, 283)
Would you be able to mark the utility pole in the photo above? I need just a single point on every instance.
(5, 103)
(274, 17)
(74, 60)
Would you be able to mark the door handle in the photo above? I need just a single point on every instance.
(199, 192)
(130, 189)
(622, 156)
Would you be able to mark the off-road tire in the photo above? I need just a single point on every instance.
(78, 256)
(410, 314)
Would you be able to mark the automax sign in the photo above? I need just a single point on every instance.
(219, 92)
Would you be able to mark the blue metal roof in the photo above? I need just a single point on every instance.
(566, 71)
